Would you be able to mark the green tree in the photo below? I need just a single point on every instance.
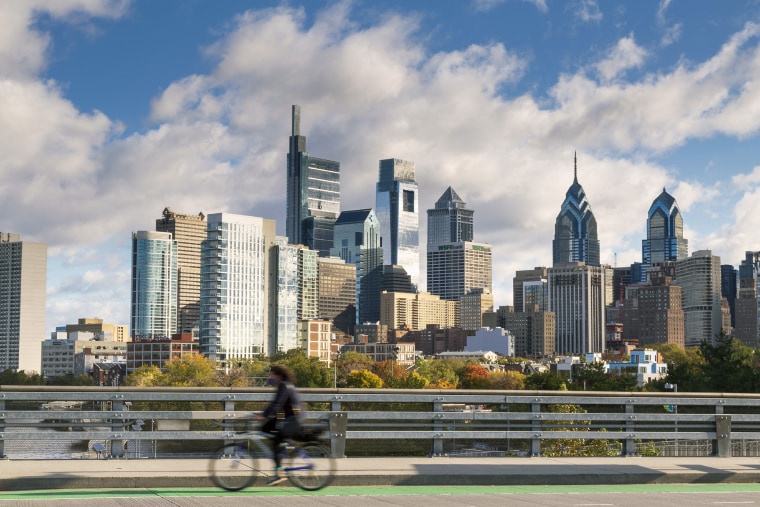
(72, 380)
(729, 366)
(351, 361)
(309, 371)
(413, 381)
(505, 380)
(146, 376)
(364, 379)
(440, 373)
(192, 370)
(545, 381)
(11, 377)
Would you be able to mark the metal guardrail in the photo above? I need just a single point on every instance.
(432, 418)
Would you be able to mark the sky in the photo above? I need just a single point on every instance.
(116, 109)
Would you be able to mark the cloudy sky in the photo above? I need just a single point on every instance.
(115, 109)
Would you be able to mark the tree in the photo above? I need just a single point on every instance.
(351, 361)
(545, 381)
(729, 366)
(191, 370)
(146, 376)
(364, 379)
(474, 376)
(506, 380)
(309, 371)
(413, 381)
(440, 373)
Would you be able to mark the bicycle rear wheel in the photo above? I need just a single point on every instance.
(310, 467)
(232, 467)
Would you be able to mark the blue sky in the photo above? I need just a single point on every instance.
(115, 109)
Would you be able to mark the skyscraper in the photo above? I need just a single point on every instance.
(235, 293)
(665, 241)
(450, 221)
(294, 283)
(337, 293)
(154, 285)
(397, 208)
(699, 279)
(575, 234)
(313, 194)
(746, 309)
(188, 231)
(357, 241)
(529, 287)
(23, 278)
(454, 269)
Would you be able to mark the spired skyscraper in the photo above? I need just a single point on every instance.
(665, 241)
(313, 194)
(575, 235)
(450, 221)
(576, 285)
(397, 209)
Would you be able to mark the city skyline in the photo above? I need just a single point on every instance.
(111, 117)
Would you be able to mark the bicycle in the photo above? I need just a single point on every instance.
(306, 459)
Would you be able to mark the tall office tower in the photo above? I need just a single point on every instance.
(397, 208)
(746, 309)
(576, 296)
(395, 279)
(357, 241)
(472, 306)
(653, 313)
(699, 279)
(534, 330)
(154, 285)
(23, 278)
(575, 235)
(188, 231)
(454, 269)
(729, 285)
(313, 200)
(235, 287)
(294, 294)
(529, 287)
(450, 221)
(665, 241)
(337, 293)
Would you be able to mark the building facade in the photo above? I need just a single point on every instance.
(472, 306)
(534, 330)
(454, 269)
(576, 296)
(529, 287)
(653, 312)
(357, 241)
(158, 352)
(154, 285)
(665, 241)
(397, 208)
(402, 310)
(699, 279)
(188, 231)
(449, 221)
(313, 194)
(235, 287)
(114, 332)
(337, 293)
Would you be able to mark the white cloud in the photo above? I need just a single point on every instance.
(625, 55)
(588, 11)
(488, 5)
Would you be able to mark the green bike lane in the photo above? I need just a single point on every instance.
(378, 491)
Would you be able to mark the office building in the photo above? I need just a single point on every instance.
(435, 339)
(188, 231)
(746, 312)
(401, 310)
(160, 351)
(313, 194)
(294, 293)
(534, 330)
(108, 332)
(576, 296)
(575, 230)
(337, 293)
(397, 209)
(23, 278)
(529, 287)
(729, 288)
(652, 312)
(316, 339)
(472, 306)
(395, 279)
(357, 241)
(235, 290)
(449, 221)
(154, 285)
(699, 279)
(454, 269)
(665, 241)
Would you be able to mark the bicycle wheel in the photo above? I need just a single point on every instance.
(310, 466)
(232, 467)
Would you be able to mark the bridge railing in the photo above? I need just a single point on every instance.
(131, 421)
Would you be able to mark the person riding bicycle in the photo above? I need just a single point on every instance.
(283, 416)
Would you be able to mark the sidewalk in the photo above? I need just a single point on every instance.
(26, 475)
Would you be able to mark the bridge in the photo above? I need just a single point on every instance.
(61, 437)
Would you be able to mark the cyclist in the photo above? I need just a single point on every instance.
(283, 416)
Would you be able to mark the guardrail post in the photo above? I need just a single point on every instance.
(338, 425)
(723, 432)
(117, 426)
(630, 427)
(437, 428)
(535, 442)
(2, 429)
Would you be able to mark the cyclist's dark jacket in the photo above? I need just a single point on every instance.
(286, 403)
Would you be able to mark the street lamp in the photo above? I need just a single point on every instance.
(335, 370)
(674, 387)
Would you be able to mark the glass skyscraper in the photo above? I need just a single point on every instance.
(296, 292)
(397, 208)
(154, 285)
(313, 194)
(357, 241)
(450, 221)
(575, 235)
(235, 288)
(665, 241)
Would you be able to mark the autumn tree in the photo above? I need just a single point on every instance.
(506, 380)
(474, 376)
(363, 379)
(440, 373)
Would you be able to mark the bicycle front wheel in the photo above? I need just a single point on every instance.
(310, 467)
(232, 467)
